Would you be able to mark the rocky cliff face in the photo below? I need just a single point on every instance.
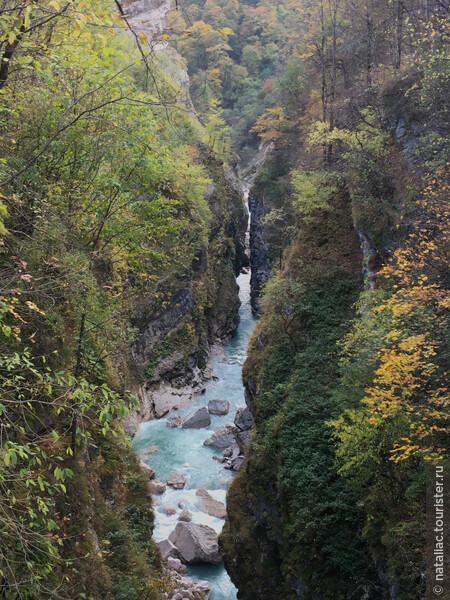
(148, 16)
(259, 250)
(275, 542)
(258, 246)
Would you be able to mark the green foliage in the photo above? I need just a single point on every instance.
(3, 215)
(107, 206)
(400, 415)
(217, 131)
(234, 68)
(348, 405)
(313, 193)
(45, 414)
(103, 197)
(293, 366)
(365, 156)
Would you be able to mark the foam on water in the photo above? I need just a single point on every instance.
(182, 450)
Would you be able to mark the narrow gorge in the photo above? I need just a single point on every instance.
(173, 448)
(224, 300)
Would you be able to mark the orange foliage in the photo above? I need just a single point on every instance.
(411, 377)
(271, 124)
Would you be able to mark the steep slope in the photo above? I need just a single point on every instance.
(346, 370)
(122, 235)
(290, 483)
(121, 231)
(193, 309)
(331, 501)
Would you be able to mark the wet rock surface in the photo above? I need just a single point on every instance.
(186, 516)
(233, 438)
(208, 504)
(169, 510)
(174, 421)
(244, 418)
(156, 487)
(197, 418)
(177, 481)
(146, 469)
(149, 450)
(168, 549)
(218, 407)
(196, 543)
(223, 436)
(261, 269)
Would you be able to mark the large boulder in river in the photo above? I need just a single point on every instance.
(210, 505)
(197, 418)
(168, 549)
(243, 440)
(173, 421)
(244, 418)
(196, 543)
(156, 487)
(146, 469)
(177, 481)
(218, 407)
(223, 437)
(185, 516)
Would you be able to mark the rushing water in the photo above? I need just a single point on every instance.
(182, 450)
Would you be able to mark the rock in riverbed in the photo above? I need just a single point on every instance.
(223, 437)
(186, 589)
(146, 470)
(168, 549)
(211, 506)
(156, 487)
(197, 418)
(149, 450)
(173, 421)
(235, 464)
(169, 510)
(196, 543)
(244, 418)
(177, 481)
(218, 407)
(175, 564)
(243, 440)
(220, 459)
(185, 516)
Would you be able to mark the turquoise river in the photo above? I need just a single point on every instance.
(182, 450)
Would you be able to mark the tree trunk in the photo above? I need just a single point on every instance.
(324, 91)
(399, 33)
(333, 10)
(370, 32)
(6, 61)
(78, 367)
